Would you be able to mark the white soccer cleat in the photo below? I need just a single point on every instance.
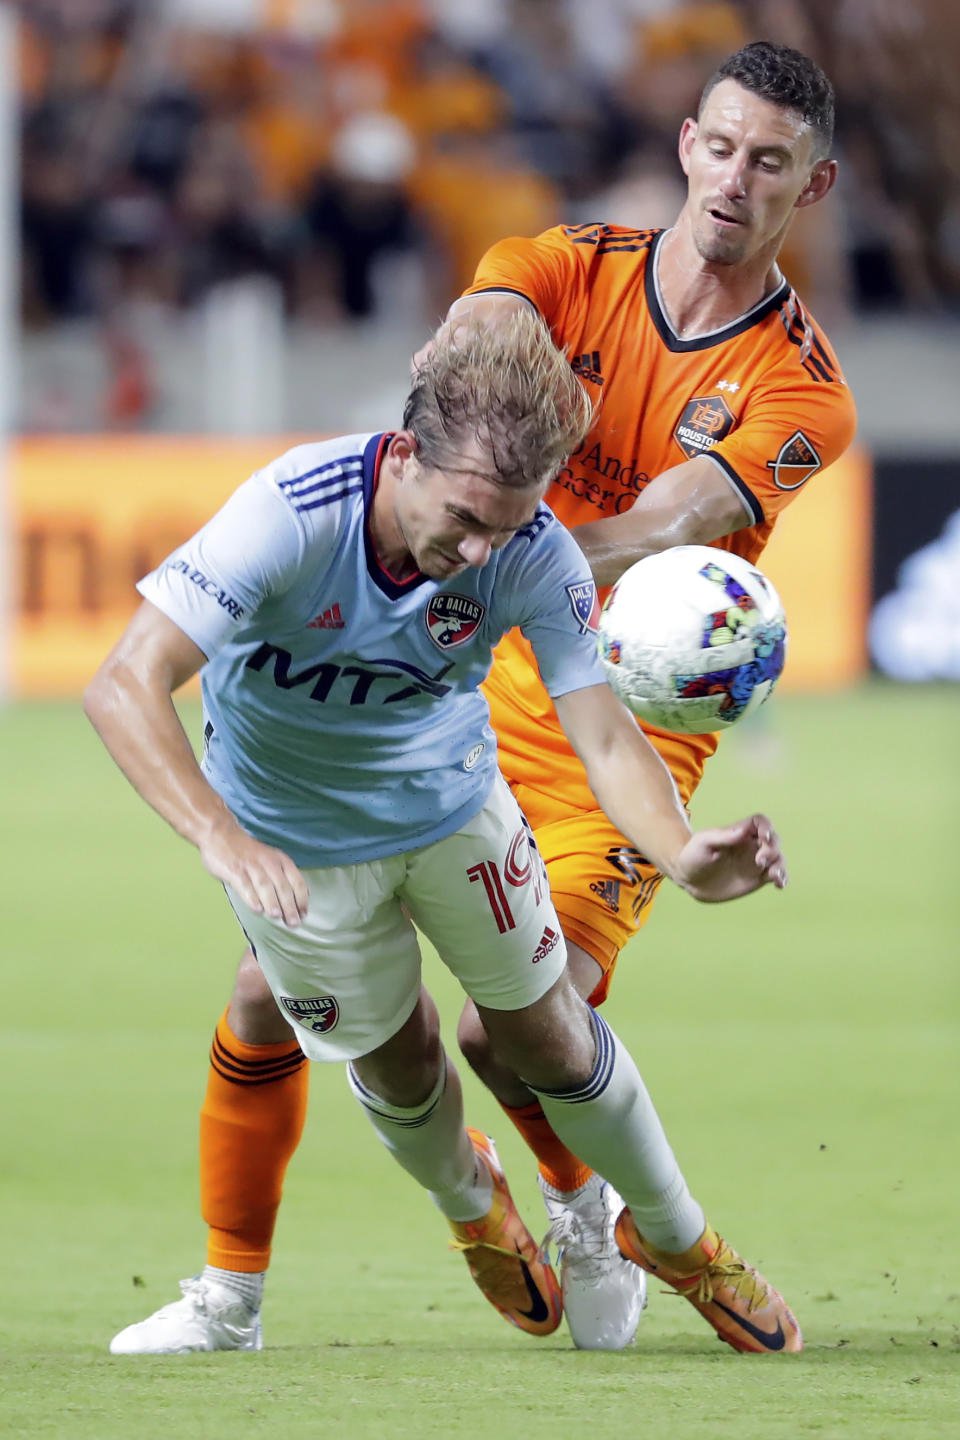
(603, 1294)
(208, 1317)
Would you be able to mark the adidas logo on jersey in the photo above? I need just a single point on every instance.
(548, 942)
(609, 892)
(588, 367)
(330, 620)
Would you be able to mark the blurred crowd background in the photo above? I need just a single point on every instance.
(353, 158)
(240, 218)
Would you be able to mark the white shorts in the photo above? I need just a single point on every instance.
(348, 977)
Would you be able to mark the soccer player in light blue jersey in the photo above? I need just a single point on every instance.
(342, 608)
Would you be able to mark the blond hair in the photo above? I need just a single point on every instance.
(508, 386)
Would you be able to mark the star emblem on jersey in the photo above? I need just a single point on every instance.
(705, 420)
(585, 605)
(452, 619)
(318, 1013)
(732, 385)
(795, 463)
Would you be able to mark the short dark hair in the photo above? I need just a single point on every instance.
(786, 78)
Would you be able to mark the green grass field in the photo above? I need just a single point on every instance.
(802, 1048)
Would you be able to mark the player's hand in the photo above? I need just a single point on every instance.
(731, 860)
(267, 880)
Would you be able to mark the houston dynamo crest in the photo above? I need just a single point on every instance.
(452, 619)
(706, 420)
(318, 1013)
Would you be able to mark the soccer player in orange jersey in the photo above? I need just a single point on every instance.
(720, 400)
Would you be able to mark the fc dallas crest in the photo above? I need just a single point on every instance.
(319, 1013)
(452, 619)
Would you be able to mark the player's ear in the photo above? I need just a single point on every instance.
(823, 177)
(402, 446)
(688, 133)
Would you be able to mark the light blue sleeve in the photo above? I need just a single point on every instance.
(557, 608)
(212, 586)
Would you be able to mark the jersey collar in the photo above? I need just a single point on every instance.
(665, 330)
(373, 454)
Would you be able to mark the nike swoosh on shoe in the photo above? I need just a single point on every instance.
(769, 1339)
(539, 1310)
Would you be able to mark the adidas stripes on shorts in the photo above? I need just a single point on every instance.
(348, 977)
(602, 889)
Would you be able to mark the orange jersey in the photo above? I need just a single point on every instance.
(763, 397)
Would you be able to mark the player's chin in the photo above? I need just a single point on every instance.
(724, 246)
(441, 567)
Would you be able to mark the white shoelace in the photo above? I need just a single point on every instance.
(586, 1244)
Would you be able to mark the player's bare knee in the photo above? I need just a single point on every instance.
(474, 1041)
(253, 1014)
(550, 1044)
(477, 1050)
(405, 1069)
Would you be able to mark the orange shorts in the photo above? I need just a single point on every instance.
(601, 886)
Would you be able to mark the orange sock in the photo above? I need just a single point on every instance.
(558, 1165)
(250, 1125)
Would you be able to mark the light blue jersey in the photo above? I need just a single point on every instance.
(342, 716)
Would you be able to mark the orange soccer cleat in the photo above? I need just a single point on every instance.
(503, 1256)
(739, 1303)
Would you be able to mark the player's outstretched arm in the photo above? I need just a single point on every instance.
(690, 504)
(129, 702)
(637, 792)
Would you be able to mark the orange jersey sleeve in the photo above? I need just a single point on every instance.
(798, 417)
(541, 269)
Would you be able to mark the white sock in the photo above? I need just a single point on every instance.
(429, 1141)
(248, 1285)
(611, 1125)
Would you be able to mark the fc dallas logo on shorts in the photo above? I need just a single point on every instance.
(452, 619)
(796, 462)
(319, 1013)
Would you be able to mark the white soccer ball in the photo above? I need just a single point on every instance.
(692, 639)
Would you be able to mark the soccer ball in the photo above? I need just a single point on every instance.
(692, 639)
